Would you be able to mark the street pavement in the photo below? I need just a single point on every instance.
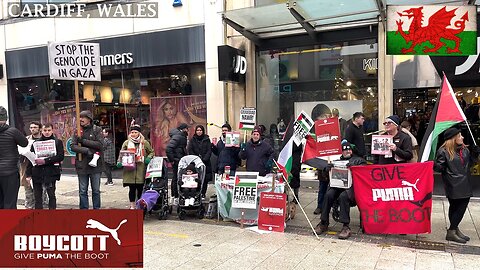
(216, 244)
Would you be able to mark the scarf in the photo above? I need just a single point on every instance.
(137, 146)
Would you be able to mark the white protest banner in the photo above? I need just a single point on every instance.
(301, 127)
(247, 118)
(155, 168)
(45, 149)
(245, 190)
(340, 175)
(74, 61)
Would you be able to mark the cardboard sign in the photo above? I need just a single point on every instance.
(271, 215)
(127, 158)
(328, 136)
(301, 127)
(74, 61)
(155, 167)
(247, 118)
(380, 145)
(44, 149)
(232, 139)
(340, 175)
(245, 190)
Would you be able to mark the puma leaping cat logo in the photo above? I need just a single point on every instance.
(93, 224)
(406, 183)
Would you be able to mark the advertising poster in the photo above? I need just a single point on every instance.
(245, 190)
(328, 137)
(323, 109)
(271, 215)
(167, 113)
(396, 198)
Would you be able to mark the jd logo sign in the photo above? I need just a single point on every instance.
(232, 64)
(239, 64)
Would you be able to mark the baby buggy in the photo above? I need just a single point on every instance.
(190, 185)
(155, 191)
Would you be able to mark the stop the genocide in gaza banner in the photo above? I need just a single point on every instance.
(71, 238)
(394, 199)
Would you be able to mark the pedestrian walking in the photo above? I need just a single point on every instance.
(47, 170)
(454, 161)
(89, 143)
(108, 156)
(257, 153)
(134, 178)
(200, 145)
(176, 149)
(10, 139)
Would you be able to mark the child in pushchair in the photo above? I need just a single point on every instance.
(191, 174)
(155, 190)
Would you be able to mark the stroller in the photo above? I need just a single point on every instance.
(155, 191)
(190, 198)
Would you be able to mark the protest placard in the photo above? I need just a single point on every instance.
(328, 136)
(74, 61)
(245, 190)
(45, 149)
(247, 118)
(380, 145)
(301, 127)
(188, 180)
(340, 175)
(271, 215)
(155, 167)
(127, 159)
(232, 139)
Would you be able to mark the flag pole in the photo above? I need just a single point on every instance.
(471, 134)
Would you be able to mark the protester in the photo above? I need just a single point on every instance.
(346, 198)
(354, 134)
(10, 138)
(108, 155)
(454, 162)
(134, 178)
(401, 147)
(406, 127)
(89, 143)
(35, 134)
(176, 149)
(200, 146)
(227, 156)
(259, 154)
(46, 171)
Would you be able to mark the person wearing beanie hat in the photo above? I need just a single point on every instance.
(176, 149)
(89, 145)
(134, 178)
(454, 161)
(227, 156)
(257, 153)
(401, 148)
(10, 139)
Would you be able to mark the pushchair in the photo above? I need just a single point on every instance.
(190, 199)
(155, 191)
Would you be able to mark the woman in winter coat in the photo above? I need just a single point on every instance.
(258, 153)
(200, 145)
(135, 178)
(454, 161)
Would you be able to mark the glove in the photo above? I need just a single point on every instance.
(40, 161)
(119, 165)
(269, 165)
(147, 160)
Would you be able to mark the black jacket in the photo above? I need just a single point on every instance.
(455, 173)
(201, 146)
(404, 152)
(177, 146)
(92, 142)
(51, 170)
(10, 137)
(257, 155)
(227, 156)
(354, 134)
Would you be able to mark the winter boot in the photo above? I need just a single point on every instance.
(461, 235)
(452, 236)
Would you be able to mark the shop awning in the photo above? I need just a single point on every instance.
(293, 17)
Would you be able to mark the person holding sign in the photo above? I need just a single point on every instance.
(402, 144)
(227, 156)
(200, 146)
(345, 197)
(454, 161)
(10, 138)
(134, 178)
(88, 144)
(47, 170)
(259, 154)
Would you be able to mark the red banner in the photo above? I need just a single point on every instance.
(71, 238)
(271, 213)
(328, 136)
(394, 199)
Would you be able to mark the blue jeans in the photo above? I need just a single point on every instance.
(83, 181)
(322, 189)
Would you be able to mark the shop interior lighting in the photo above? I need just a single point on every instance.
(349, 83)
(469, 91)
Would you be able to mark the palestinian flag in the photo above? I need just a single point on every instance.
(285, 158)
(446, 113)
(246, 126)
(310, 153)
(432, 30)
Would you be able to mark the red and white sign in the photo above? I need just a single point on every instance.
(328, 136)
(394, 199)
(71, 238)
(271, 214)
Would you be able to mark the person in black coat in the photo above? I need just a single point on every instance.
(454, 161)
(200, 145)
(259, 155)
(176, 149)
(47, 170)
(227, 156)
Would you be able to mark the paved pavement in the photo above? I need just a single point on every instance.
(212, 244)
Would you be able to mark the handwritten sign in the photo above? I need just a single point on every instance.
(74, 61)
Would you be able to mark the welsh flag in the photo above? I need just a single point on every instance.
(446, 113)
(432, 30)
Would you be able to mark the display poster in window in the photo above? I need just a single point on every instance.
(45, 149)
(328, 137)
(232, 139)
(245, 190)
(271, 213)
(74, 61)
(340, 175)
(247, 118)
(380, 145)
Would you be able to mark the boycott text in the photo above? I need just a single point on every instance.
(59, 242)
